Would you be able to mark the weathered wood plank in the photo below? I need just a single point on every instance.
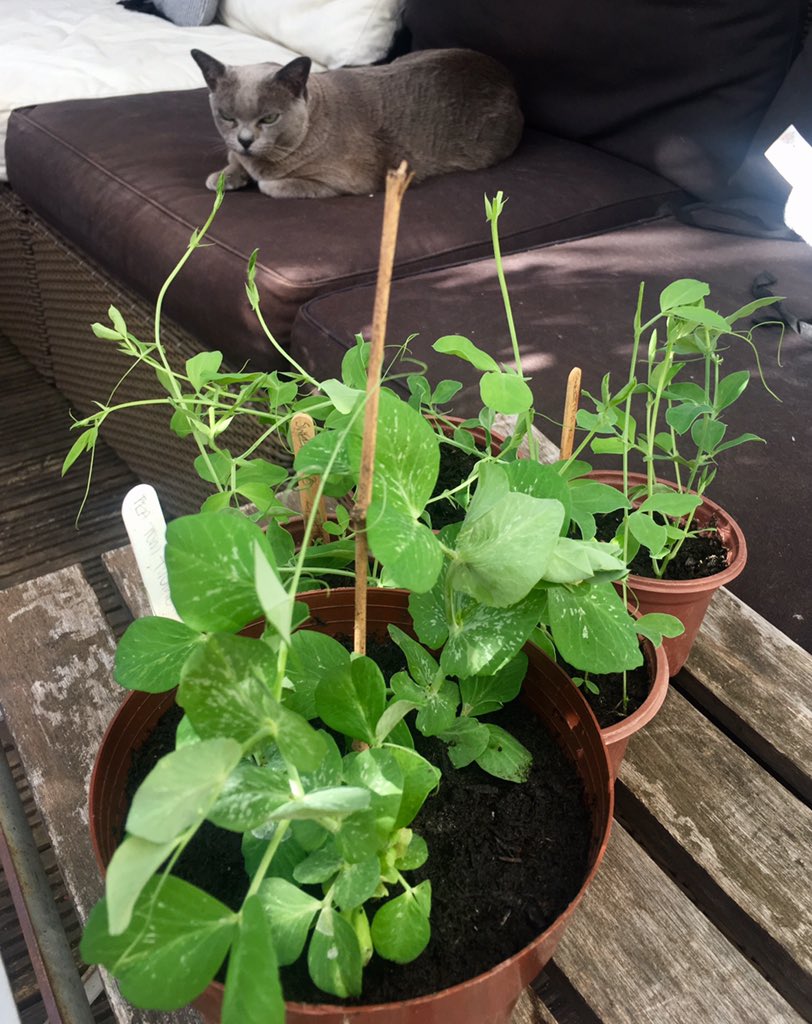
(531, 1010)
(640, 952)
(58, 696)
(758, 683)
(122, 567)
(707, 804)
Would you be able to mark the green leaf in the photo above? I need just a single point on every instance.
(353, 699)
(648, 533)
(526, 477)
(592, 629)
(290, 912)
(707, 434)
(700, 315)
(343, 398)
(394, 714)
(577, 560)
(423, 668)
(608, 445)
(409, 550)
(420, 778)
(438, 709)
(135, 861)
(415, 856)
(299, 742)
(84, 441)
(210, 564)
(680, 417)
(251, 794)
(400, 928)
(253, 992)
(225, 687)
(467, 739)
(655, 625)
(503, 553)
(481, 637)
(504, 756)
(741, 439)
(336, 802)
(483, 694)
(505, 392)
(313, 657)
(319, 866)
(445, 391)
(334, 956)
(354, 364)
(277, 604)
(671, 503)
(682, 293)
(152, 652)
(730, 388)
(464, 348)
(202, 367)
(185, 733)
(181, 789)
(357, 883)
(177, 938)
(590, 498)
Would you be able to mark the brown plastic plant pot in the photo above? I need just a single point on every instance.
(488, 998)
(687, 599)
(616, 737)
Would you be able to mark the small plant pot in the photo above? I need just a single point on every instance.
(688, 600)
(616, 737)
(489, 998)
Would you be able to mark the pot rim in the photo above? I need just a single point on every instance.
(658, 690)
(738, 547)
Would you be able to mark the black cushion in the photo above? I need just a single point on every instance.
(678, 86)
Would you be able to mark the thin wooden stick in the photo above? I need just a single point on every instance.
(302, 430)
(570, 411)
(397, 181)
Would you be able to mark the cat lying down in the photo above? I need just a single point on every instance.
(338, 132)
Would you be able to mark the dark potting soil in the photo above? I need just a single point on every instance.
(505, 860)
(607, 703)
(456, 465)
(698, 557)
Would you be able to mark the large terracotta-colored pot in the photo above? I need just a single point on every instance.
(687, 599)
(548, 694)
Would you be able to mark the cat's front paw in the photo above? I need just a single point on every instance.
(231, 180)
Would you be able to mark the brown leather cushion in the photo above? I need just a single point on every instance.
(573, 304)
(123, 179)
(678, 86)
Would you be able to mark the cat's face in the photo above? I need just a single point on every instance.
(259, 109)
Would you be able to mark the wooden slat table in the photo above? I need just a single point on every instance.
(702, 909)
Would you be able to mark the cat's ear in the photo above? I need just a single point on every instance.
(212, 69)
(294, 76)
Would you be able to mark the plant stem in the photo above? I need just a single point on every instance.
(267, 857)
(496, 209)
(397, 182)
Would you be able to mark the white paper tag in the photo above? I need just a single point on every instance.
(791, 156)
(146, 528)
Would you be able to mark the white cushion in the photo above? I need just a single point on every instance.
(334, 33)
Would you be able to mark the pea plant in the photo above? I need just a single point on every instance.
(670, 421)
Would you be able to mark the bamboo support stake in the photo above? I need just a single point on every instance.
(397, 181)
(570, 411)
(302, 430)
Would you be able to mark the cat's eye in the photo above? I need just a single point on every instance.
(226, 118)
(269, 119)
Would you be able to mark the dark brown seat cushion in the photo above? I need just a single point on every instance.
(573, 304)
(123, 179)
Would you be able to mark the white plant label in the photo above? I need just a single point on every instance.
(146, 528)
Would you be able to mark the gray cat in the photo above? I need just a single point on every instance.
(338, 132)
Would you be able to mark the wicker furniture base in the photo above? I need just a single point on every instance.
(49, 296)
